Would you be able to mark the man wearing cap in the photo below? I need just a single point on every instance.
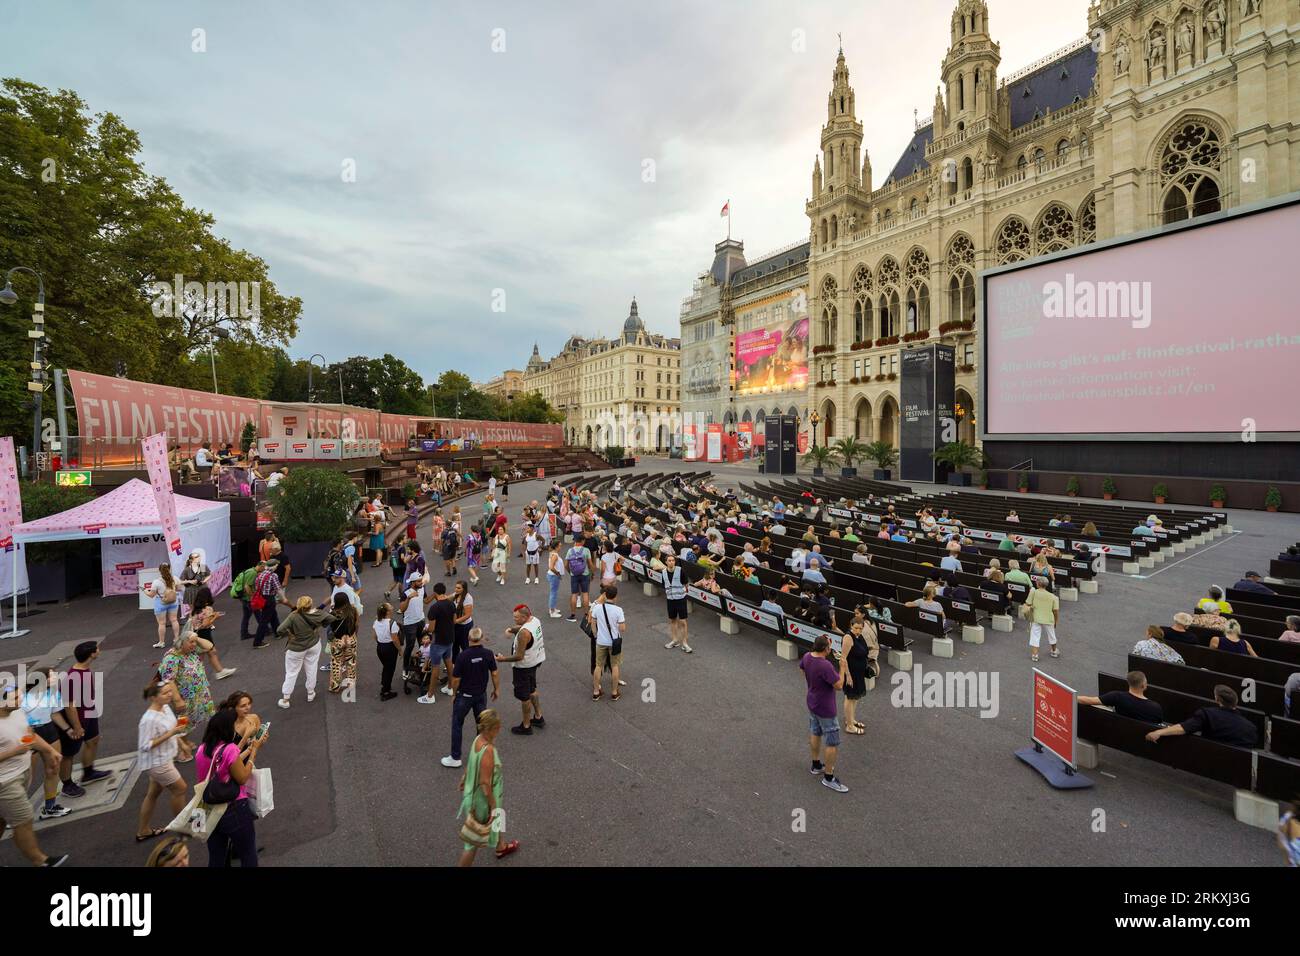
(411, 611)
(528, 653)
(1253, 581)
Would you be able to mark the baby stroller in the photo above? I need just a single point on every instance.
(418, 676)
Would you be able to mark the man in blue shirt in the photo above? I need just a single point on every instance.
(1253, 581)
(813, 573)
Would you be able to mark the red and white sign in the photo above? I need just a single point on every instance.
(1055, 712)
(154, 449)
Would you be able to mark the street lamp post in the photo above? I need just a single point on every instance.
(37, 334)
(813, 419)
(217, 333)
(311, 394)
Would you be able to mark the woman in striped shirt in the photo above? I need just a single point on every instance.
(156, 742)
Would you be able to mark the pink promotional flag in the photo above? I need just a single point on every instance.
(13, 564)
(154, 449)
(11, 502)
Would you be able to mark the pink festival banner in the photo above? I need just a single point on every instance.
(13, 573)
(154, 449)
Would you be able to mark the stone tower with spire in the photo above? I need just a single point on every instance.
(966, 105)
(535, 361)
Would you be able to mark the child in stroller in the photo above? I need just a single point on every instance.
(418, 675)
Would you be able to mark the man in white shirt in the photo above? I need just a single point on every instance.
(275, 477)
(610, 624)
(203, 457)
(17, 743)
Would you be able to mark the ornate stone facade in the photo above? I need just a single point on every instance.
(1164, 110)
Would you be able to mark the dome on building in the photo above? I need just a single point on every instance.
(633, 323)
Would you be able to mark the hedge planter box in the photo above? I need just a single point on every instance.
(881, 474)
(61, 581)
(818, 473)
(307, 558)
(962, 480)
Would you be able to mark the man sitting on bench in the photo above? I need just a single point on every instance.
(1253, 581)
(1221, 723)
(1130, 703)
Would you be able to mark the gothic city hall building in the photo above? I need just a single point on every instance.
(1160, 112)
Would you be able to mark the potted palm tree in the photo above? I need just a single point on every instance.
(1072, 486)
(884, 455)
(984, 479)
(1108, 489)
(1218, 495)
(1272, 499)
(1160, 493)
(849, 450)
(819, 456)
(1022, 482)
(959, 456)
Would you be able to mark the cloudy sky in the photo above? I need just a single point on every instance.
(522, 168)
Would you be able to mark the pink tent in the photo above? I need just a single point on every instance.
(126, 520)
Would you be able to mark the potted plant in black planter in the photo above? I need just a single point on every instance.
(1160, 492)
(958, 456)
(309, 508)
(1108, 488)
(849, 450)
(819, 456)
(884, 455)
(1072, 486)
(1218, 495)
(57, 570)
(1272, 499)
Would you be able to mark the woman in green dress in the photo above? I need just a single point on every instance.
(481, 794)
(183, 663)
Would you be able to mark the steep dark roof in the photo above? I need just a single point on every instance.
(913, 157)
(1053, 86)
(729, 257)
(773, 263)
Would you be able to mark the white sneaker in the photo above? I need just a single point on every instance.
(426, 699)
(450, 761)
(311, 695)
(687, 648)
(223, 674)
(448, 691)
(283, 703)
(672, 644)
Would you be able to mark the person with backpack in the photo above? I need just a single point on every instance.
(241, 588)
(450, 548)
(581, 565)
(267, 593)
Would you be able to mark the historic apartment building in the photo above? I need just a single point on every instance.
(623, 391)
(1163, 111)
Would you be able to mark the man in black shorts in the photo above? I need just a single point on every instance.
(528, 653)
(441, 629)
(84, 707)
(675, 590)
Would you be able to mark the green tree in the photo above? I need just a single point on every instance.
(80, 208)
(532, 407)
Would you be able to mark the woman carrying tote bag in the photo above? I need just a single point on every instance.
(228, 771)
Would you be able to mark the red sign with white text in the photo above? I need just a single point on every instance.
(1054, 716)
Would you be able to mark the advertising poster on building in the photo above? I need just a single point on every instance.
(745, 437)
(772, 359)
(1054, 716)
(714, 439)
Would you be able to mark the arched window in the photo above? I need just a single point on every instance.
(1040, 157)
(1063, 149)
(1088, 221)
(1011, 242)
(825, 232)
(913, 205)
(1189, 171)
(961, 92)
(888, 277)
(830, 314)
(835, 228)
(1021, 163)
(1054, 230)
(918, 290)
(967, 173)
(861, 304)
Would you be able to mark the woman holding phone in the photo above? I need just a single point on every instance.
(246, 722)
(235, 833)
